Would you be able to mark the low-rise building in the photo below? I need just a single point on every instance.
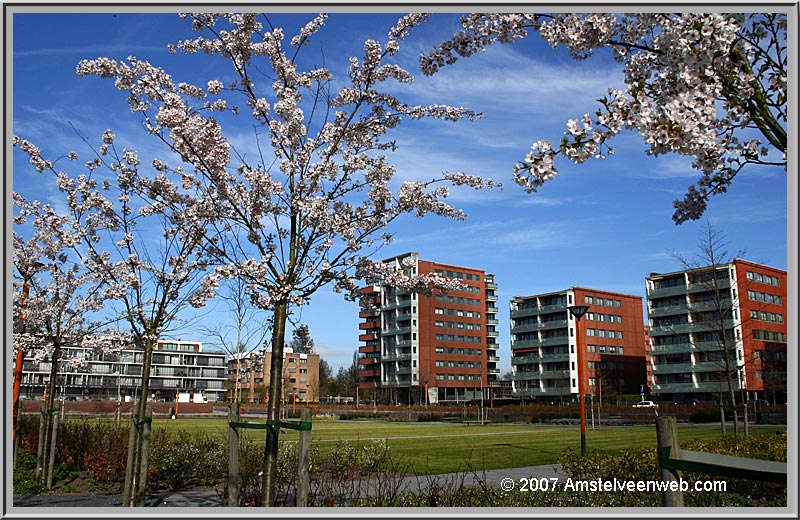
(249, 377)
(177, 367)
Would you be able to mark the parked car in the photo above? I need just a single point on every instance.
(760, 402)
(645, 404)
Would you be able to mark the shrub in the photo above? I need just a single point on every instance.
(179, 459)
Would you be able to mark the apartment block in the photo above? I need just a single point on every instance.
(700, 317)
(544, 345)
(430, 349)
(300, 376)
(177, 367)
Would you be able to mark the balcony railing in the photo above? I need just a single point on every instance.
(675, 348)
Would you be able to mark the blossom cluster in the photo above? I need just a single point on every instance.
(692, 88)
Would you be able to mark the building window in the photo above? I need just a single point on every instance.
(763, 278)
(764, 297)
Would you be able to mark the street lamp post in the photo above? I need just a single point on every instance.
(577, 312)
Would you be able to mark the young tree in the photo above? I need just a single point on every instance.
(245, 331)
(711, 86)
(310, 211)
(139, 238)
(712, 317)
(58, 298)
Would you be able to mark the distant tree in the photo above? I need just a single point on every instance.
(713, 334)
(326, 379)
(244, 329)
(302, 341)
(507, 376)
(711, 86)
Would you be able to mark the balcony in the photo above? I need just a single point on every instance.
(526, 392)
(677, 348)
(710, 286)
(396, 330)
(388, 358)
(555, 390)
(553, 324)
(493, 359)
(556, 356)
(685, 328)
(525, 343)
(704, 386)
(526, 376)
(673, 368)
(555, 374)
(491, 298)
(525, 360)
(667, 310)
(523, 313)
(666, 291)
(493, 370)
(528, 327)
(492, 322)
(491, 286)
(555, 340)
(492, 334)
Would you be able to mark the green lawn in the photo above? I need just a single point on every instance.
(441, 448)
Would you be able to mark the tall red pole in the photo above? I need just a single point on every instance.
(577, 312)
(20, 359)
(581, 383)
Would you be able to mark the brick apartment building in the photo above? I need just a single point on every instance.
(300, 376)
(696, 315)
(430, 349)
(543, 345)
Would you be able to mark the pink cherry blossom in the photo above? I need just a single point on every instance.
(691, 89)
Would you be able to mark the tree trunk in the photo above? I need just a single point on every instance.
(274, 406)
(42, 457)
(140, 456)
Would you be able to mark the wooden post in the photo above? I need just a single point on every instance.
(141, 487)
(51, 463)
(722, 420)
(40, 450)
(746, 422)
(233, 456)
(129, 469)
(667, 435)
(303, 459)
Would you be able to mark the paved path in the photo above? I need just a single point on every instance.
(209, 498)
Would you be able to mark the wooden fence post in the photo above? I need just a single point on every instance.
(141, 487)
(233, 456)
(746, 422)
(667, 435)
(40, 449)
(52, 454)
(129, 469)
(304, 458)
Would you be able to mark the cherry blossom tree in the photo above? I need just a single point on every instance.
(313, 201)
(139, 238)
(710, 86)
(59, 297)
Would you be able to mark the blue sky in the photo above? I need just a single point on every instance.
(604, 224)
